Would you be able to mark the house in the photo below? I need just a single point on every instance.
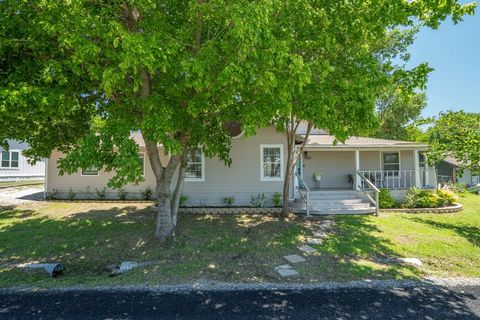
(258, 168)
(15, 167)
(447, 172)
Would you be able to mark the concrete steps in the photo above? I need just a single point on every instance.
(332, 202)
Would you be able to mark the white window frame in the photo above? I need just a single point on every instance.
(262, 177)
(201, 179)
(382, 162)
(143, 155)
(10, 159)
(90, 175)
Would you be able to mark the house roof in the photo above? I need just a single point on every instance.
(325, 140)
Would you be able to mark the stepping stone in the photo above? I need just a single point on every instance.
(306, 249)
(294, 258)
(412, 261)
(286, 271)
(320, 234)
(314, 240)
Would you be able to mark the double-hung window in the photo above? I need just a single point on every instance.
(271, 167)
(391, 161)
(92, 171)
(10, 159)
(141, 159)
(195, 170)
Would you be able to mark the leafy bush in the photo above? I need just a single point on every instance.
(386, 201)
(258, 201)
(101, 193)
(228, 201)
(122, 194)
(146, 194)
(88, 193)
(277, 199)
(183, 199)
(51, 195)
(447, 197)
(71, 195)
(418, 198)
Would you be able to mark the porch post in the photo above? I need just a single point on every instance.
(357, 167)
(416, 161)
(427, 171)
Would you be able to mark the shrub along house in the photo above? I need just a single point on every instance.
(258, 167)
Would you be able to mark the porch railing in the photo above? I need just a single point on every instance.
(365, 184)
(304, 191)
(400, 179)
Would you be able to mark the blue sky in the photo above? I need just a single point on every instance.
(454, 52)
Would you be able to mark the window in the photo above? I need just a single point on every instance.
(195, 170)
(271, 162)
(141, 159)
(391, 161)
(10, 159)
(92, 171)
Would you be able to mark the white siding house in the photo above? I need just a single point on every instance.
(15, 167)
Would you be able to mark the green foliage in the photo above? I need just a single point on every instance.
(183, 200)
(71, 195)
(258, 201)
(418, 198)
(277, 199)
(52, 195)
(399, 115)
(122, 194)
(147, 193)
(88, 193)
(101, 193)
(386, 201)
(447, 197)
(228, 201)
(456, 134)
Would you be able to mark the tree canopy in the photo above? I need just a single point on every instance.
(79, 76)
(456, 134)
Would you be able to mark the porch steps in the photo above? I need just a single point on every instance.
(332, 202)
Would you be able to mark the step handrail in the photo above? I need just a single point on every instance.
(375, 202)
(306, 190)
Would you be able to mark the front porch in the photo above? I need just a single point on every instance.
(385, 169)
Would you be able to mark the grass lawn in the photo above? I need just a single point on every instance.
(87, 237)
(9, 184)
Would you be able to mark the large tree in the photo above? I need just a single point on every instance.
(345, 55)
(79, 76)
(456, 134)
(399, 115)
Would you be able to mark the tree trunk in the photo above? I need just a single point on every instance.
(177, 193)
(164, 226)
(292, 157)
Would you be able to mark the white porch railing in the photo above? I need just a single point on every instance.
(400, 179)
(304, 191)
(365, 183)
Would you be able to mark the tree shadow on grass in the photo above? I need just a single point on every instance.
(470, 233)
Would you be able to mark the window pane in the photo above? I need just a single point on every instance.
(391, 167)
(5, 159)
(14, 156)
(271, 162)
(194, 164)
(142, 163)
(90, 171)
(390, 158)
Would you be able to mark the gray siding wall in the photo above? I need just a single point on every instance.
(241, 180)
(335, 167)
(25, 171)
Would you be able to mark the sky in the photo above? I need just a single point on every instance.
(454, 52)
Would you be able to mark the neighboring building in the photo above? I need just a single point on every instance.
(258, 165)
(15, 167)
(448, 172)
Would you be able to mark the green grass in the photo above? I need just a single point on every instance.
(88, 237)
(9, 184)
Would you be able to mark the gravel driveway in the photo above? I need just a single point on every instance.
(22, 194)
